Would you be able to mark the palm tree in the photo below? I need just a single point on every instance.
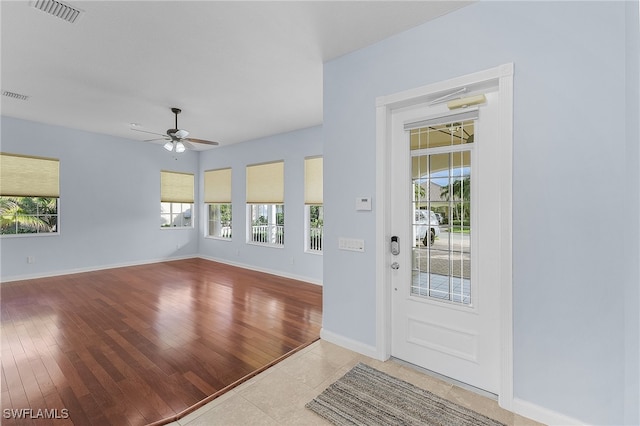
(460, 190)
(418, 191)
(31, 214)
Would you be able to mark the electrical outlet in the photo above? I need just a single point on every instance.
(31, 259)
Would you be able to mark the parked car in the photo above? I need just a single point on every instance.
(440, 218)
(426, 227)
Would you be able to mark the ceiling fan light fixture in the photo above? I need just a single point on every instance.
(181, 134)
(180, 147)
(168, 146)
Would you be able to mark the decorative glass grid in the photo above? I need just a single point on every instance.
(441, 206)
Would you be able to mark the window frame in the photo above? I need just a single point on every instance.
(308, 246)
(208, 234)
(217, 192)
(265, 188)
(30, 177)
(37, 234)
(172, 215)
(313, 197)
(174, 189)
(276, 240)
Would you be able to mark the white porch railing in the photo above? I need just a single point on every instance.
(268, 234)
(315, 239)
(225, 232)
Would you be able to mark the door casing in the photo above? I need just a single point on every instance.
(502, 77)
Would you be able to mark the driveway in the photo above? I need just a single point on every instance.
(450, 254)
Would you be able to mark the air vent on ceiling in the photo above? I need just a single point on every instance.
(14, 95)
(58, 9)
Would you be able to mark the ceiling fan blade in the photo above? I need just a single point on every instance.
(157, 139)
(189, 145)
(201, 141)
(144, 131)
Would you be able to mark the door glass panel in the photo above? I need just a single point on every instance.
(441, 218)
(450, 134)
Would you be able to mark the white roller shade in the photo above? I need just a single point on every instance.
(23, 176)
(265, 183)
(217, 186)
(176, 187)
(313, 180)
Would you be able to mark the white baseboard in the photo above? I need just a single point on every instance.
(521, 407)
(543, 415)
(264, 270)
(92, 269)
(354, 345)
(150, 261)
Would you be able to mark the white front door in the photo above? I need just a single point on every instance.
(445, 211)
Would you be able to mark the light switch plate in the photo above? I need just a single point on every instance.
(350, 244)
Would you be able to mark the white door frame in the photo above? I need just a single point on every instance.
(502, 76)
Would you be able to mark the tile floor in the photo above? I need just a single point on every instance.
(278, 395)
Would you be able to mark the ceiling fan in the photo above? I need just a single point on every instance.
(176, 138)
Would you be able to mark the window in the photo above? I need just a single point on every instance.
(176, 215)
(176, 199)
(441, 177)
(267, 224)
(265, 203)
(217, 197)
(313, 204)
(220, 221)
(29, 194)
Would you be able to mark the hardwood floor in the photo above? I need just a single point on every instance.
(144, 344)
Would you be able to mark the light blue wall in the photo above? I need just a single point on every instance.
(109, 202)
(291, 260)
(569, 279)
(632, 218)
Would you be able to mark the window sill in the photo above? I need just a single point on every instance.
(43, 234)
(276, 246)
(211, 237)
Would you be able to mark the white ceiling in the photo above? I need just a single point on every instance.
(239, 70)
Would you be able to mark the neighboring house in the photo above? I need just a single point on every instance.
(433, 193)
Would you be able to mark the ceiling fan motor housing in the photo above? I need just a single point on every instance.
(177, 133)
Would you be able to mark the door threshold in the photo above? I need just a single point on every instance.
(447, 379)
